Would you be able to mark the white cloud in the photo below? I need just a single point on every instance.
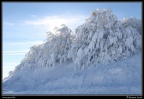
(27, 43)
(9, 65)
(22, 44)
(49, 22)
(13, 54)
(34, 16)
(19, 52)
(8, 23)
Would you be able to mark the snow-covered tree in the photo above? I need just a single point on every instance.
(10, 73)
(101, 39)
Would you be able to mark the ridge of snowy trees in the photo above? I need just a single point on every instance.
(101, 39)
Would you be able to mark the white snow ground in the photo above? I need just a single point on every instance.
(122, 77)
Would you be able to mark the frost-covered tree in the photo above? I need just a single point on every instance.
(10, 73)
(54, 50)
(101, 39)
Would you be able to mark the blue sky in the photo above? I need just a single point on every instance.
(25, 24)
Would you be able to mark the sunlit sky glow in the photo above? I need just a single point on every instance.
(25, 24)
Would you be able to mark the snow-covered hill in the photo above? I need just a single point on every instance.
(103, 56)
(123, 77)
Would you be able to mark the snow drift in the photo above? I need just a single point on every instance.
(93, 60)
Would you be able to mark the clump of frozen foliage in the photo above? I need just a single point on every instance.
(54, 50)
(101, 39)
